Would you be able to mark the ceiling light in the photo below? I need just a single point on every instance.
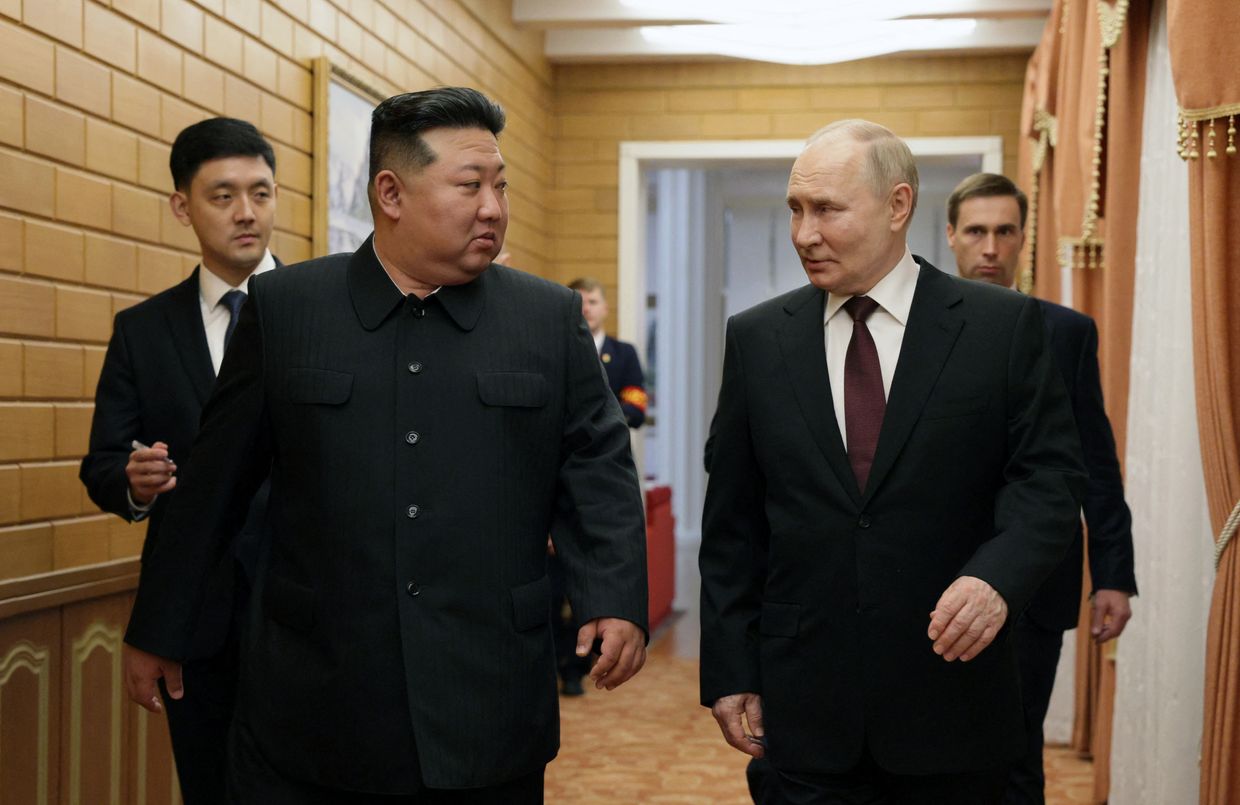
(780, 11)
(811, 44)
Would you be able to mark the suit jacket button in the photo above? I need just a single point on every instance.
(864, 521)
(415, 367)
(412, 437)
(412, 512)
(413, 589)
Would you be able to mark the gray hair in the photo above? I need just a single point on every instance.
(888, 160)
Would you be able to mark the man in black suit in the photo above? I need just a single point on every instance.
(158, 372)
(986, 230)
(428, 418)
(893, 472)
(620, 361)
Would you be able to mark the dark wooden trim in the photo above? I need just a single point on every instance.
(60, 587)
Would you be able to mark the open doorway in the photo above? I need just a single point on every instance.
(704, 235)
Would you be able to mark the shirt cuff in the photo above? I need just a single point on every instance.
(139, 511)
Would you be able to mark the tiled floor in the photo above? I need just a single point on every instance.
(650, 742)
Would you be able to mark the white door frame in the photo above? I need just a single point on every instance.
(637, 157)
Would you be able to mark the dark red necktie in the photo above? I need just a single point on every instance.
(864, 401)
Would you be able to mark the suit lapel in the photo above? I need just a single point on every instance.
(933, 325)
(803, 346)
(184, 316)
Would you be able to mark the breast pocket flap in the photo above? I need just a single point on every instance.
(780, 620)
(318, 386)
(513, 389)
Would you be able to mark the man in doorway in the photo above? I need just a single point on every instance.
(428, 418)
(158, 372)
(624, 369)
(885, 487)
(986, 231)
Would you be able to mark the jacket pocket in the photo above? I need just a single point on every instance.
(952, 408)
(531, 605)
(318, 386)
(290, 603)
(513, 389)
(780, 620)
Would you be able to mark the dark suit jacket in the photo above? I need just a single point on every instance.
(156, 376)
(420, 455)
(817, 596)
(624, 375)
(1073, 339)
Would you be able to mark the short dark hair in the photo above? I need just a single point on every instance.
(397, 124)
(215, 138)
(985, 185)
(585, 285)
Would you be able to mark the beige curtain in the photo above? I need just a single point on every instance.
(1084, 101)
(1204, 41)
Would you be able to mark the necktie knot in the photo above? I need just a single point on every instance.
(860, 307)
(233, 300)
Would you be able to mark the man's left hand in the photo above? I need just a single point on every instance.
(1111, 612)
(623, 653)
(966, 619)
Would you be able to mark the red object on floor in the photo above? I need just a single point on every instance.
(660, 553)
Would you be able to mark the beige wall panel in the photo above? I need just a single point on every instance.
(27, 550)
(135, 104)
(136, 213)
(52, 371)
(153, 171)
(27, 307)
(30, 708)
(81, 541)
(175, 114)
(26, 58)
(50, 490)
(83, 83)
(111, 262)
(29, 186)
(55, 131)
(83, 314)
(159, 61)
(182, 23)
(83, 198)
(10, 368)
(143, 11)
(204, 84)
(125, 538)
(111, 37)
(10, 494)
(111, 150)
(54, 251)
(61, 19)
(12, 118)
(92, 362)
(12, 243)
(73, 429)
(158, 269)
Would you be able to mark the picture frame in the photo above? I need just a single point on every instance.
(341, 218)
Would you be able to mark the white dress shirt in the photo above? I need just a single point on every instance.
(215, 316)
(894, 295)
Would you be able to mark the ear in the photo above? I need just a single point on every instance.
(901, 206)
(951, 235)
(179, 203)
(387, 191)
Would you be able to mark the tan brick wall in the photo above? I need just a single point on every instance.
(92, 93)
(599, 106)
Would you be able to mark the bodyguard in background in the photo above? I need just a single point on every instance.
(620, 361)
(429, 418)
(158, 372)
(986, 231)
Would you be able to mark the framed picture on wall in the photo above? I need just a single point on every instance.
(342, 107)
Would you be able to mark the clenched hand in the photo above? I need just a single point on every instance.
(966, 619)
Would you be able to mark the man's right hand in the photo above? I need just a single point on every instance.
(728, 710)
(142, 674)
(150, 473)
